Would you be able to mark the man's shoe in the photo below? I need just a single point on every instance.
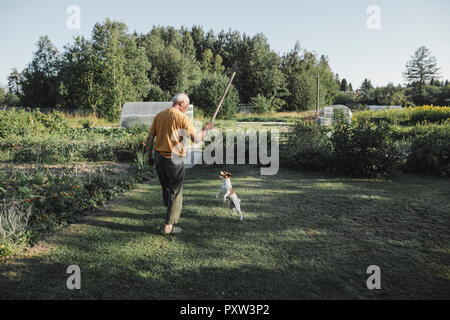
(175, 230)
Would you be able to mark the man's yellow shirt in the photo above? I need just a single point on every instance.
(166, 127)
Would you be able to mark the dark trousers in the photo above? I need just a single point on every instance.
(171, 177)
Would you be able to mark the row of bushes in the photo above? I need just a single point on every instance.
(53, 151)
(21, 123)
(75, 145)
(367, 150)
(361, 149)
(399, 132)
(406, 116)
(37, 202)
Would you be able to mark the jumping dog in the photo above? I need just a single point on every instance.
(229, 193)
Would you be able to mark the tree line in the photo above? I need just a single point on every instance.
(422, 86)
(115, 66)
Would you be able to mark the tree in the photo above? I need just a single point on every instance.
(207, 92)
(301, 69)
(14, 80)
(2, 96)
(210, 63)
(366, 90)
(173, 58)
(328, 87)
(343, 86)
(198, 36)
(123, 68)
(39, 80)
(421, 69)
(81, 75)
(259, 71)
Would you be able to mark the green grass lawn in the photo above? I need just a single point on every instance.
(304, 236)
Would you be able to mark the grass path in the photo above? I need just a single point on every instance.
(304, 236)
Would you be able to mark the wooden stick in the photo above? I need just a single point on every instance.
(223, 97)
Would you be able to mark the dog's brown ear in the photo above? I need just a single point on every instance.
(229, 173)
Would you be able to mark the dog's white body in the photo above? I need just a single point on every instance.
(227, 191)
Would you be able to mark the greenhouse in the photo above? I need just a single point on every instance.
(142, 113)
(327, 115)
(384, 107)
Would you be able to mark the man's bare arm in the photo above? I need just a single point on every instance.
(200, 135)
(149, 146)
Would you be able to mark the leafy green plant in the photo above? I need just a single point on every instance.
(407, 116)
(365, 150)
(307, 147)
(430, 153)
(261, 104)
(4, 251)
(20, 123)
(36, 202)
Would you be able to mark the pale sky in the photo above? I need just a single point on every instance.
(337, 29)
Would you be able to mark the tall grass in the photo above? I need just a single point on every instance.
(14, 219)
(80, 120)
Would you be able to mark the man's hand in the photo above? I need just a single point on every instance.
(149, 150)
(200, 135)
(150, 160)
(208, 126)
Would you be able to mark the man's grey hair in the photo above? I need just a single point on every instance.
(181, 97)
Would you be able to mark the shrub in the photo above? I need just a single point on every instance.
(261, 104)
(54, 122)
(155, 93)
(343, 97)
(429, 113)
(15, 123)
(430, 153)
(407, 116)
(307, 147)
(365, 150)
(406, 132)
(21, 123)
(43, 151)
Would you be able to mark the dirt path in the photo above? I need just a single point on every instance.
(81, 168)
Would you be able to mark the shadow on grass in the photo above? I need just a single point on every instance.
(299, 244)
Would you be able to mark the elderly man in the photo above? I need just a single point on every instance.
(166, 127)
